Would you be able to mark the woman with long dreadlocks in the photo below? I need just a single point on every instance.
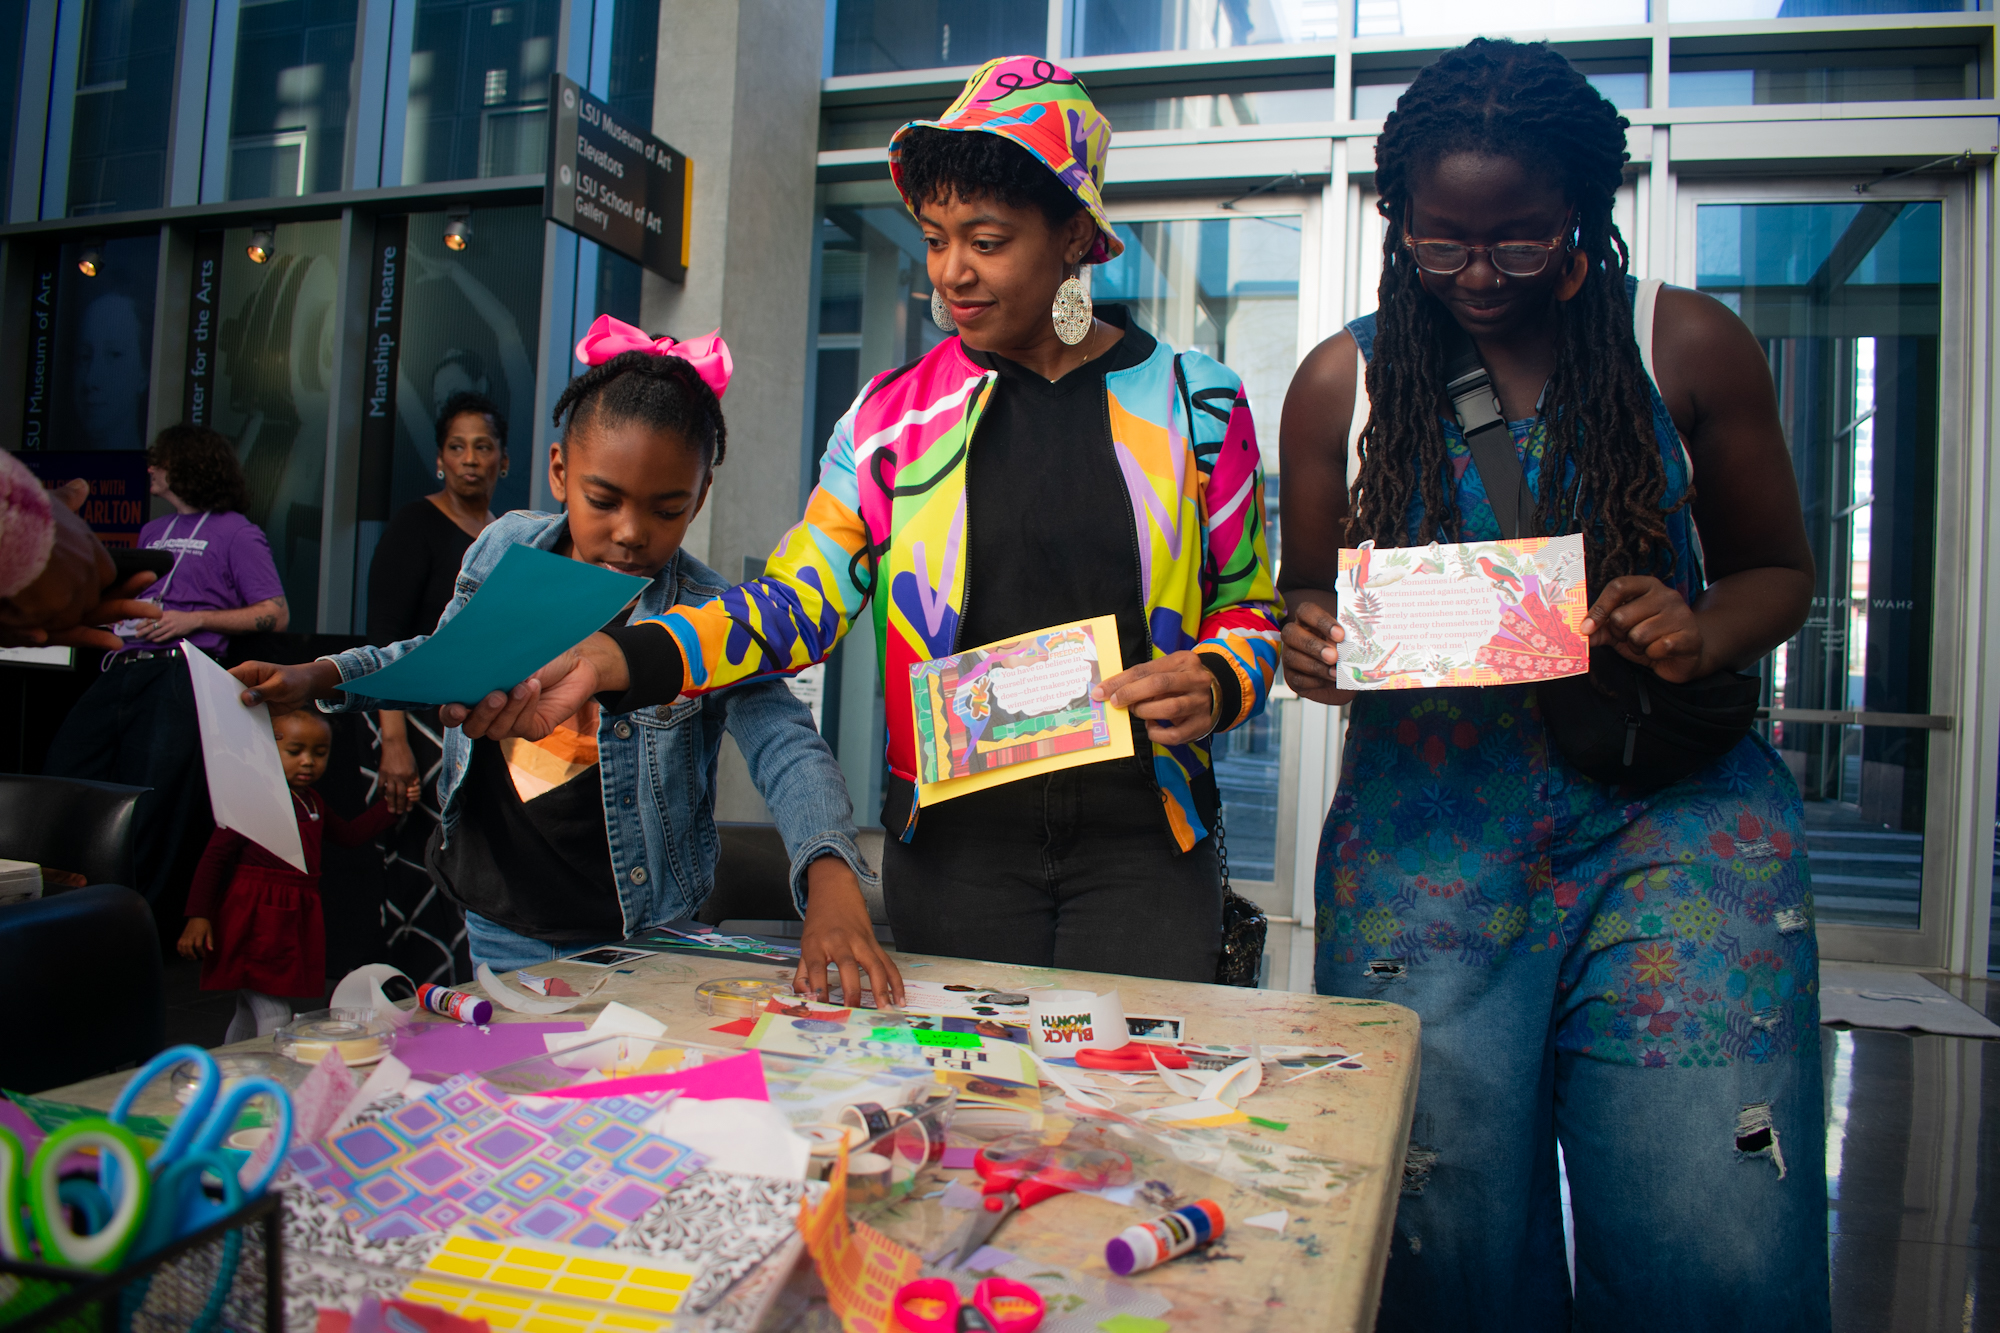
(1629, 974)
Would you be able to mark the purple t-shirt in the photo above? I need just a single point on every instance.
(221, 563)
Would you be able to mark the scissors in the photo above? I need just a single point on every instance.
(36, 1184)
(1020, 1171)
(194, 1147)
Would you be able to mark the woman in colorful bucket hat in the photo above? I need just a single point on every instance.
(1050, 463)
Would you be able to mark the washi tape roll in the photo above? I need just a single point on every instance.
(870, 1117)
(1063, 1022)
(455, 1004)
(827, 1140)
(740, 997)
(867, 1177)
(361, 1038)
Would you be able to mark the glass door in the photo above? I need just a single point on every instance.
(1845, 293)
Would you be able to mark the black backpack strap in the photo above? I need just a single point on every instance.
(1484, 426)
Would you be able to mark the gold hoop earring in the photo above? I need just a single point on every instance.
(1072, 312)
(941, 313)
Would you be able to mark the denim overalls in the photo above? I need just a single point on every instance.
(1632, 975)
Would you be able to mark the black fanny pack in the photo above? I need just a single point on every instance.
(1621, 723)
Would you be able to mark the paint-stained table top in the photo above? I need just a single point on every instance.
(1324, 1272)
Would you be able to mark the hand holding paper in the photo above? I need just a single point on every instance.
(246, 781)
(1474, 613)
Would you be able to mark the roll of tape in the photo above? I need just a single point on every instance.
(869, 1117)
(740, 997)
(867, 1177)
(1063, 1022)
(362, 989)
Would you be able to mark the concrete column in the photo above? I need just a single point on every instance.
(738, 92)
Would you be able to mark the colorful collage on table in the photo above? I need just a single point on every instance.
(470, 1156)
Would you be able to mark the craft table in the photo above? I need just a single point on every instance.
(1323, 1273)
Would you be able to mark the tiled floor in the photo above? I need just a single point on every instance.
(1913, 1167)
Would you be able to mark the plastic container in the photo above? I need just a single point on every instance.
(359, 1036)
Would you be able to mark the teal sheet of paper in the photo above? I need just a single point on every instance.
(533, 607)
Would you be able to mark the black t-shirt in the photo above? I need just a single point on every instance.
(414, 572)
(1049, 526)
(541, 868)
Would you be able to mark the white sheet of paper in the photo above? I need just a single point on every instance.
(246, 783)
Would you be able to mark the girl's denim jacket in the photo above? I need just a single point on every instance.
(659, 763)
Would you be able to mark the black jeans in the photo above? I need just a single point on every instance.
(136, 725)
(1075, 870)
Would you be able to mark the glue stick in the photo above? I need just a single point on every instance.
(455, 1004)
(1169, 1236)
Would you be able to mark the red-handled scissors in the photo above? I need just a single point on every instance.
(1020, 1171)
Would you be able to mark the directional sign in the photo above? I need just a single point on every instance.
(611, 182)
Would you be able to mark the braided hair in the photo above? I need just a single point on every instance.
(1602, 471)
(664, 392)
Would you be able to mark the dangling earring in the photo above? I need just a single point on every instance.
(1072, 311)
(1572, 281)
(941, 313)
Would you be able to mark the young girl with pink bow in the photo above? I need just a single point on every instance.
(605, 826)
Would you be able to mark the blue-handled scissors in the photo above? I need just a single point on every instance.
(211, 1113)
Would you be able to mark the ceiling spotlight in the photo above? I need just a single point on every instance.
(458, 227)
(91, 259)
(262, 246)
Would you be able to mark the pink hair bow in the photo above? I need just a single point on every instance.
(610, 337)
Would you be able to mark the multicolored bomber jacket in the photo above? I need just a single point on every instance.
(887, 524)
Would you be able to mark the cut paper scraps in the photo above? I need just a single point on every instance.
(1270, 1221)
(861, 1267)
(1016, 708)
(899, 1041)
(469, 1156)
(1474, 613)
(547, 1288)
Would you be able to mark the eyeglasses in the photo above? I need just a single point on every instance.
(1519, 259)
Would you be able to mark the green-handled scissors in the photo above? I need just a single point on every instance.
(34, 1186)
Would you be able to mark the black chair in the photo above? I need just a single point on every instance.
(89, 956)
(83, 968)
(69, 824)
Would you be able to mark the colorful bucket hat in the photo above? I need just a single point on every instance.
(1045, 109)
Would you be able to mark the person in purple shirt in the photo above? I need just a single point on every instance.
(136, 723)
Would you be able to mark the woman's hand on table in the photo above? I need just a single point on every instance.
(1312, 636)
(839, 934)
(198, 938)
(1651, 624)
(1174, 695)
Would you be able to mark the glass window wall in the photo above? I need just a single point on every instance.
(1431, 18)
(479, 89)
(1711, 11)
(124, 103)
(1625, 89)
(13, 28)
(1258, 102)
(635, 46)
(273, 378)
(877, 36)
(1120, 27)
(288, 120)
(1894, 75)
(1845, 298)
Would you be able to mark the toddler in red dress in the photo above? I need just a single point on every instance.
(253, 920)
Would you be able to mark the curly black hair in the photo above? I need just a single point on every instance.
(1602, 474)
(201, 467)
(465, 401)
(945, 166)
(665, 392)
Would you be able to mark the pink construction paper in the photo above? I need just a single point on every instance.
(436, 1051)
(14, 1118)
(740, 1076)
(959, 1159)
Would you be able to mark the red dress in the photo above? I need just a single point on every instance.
(269, 934)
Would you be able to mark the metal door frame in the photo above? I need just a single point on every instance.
(1957, 870)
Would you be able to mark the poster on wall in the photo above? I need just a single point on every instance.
(91, 346)
(119, 498)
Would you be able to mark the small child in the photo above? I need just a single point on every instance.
(253, 920)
